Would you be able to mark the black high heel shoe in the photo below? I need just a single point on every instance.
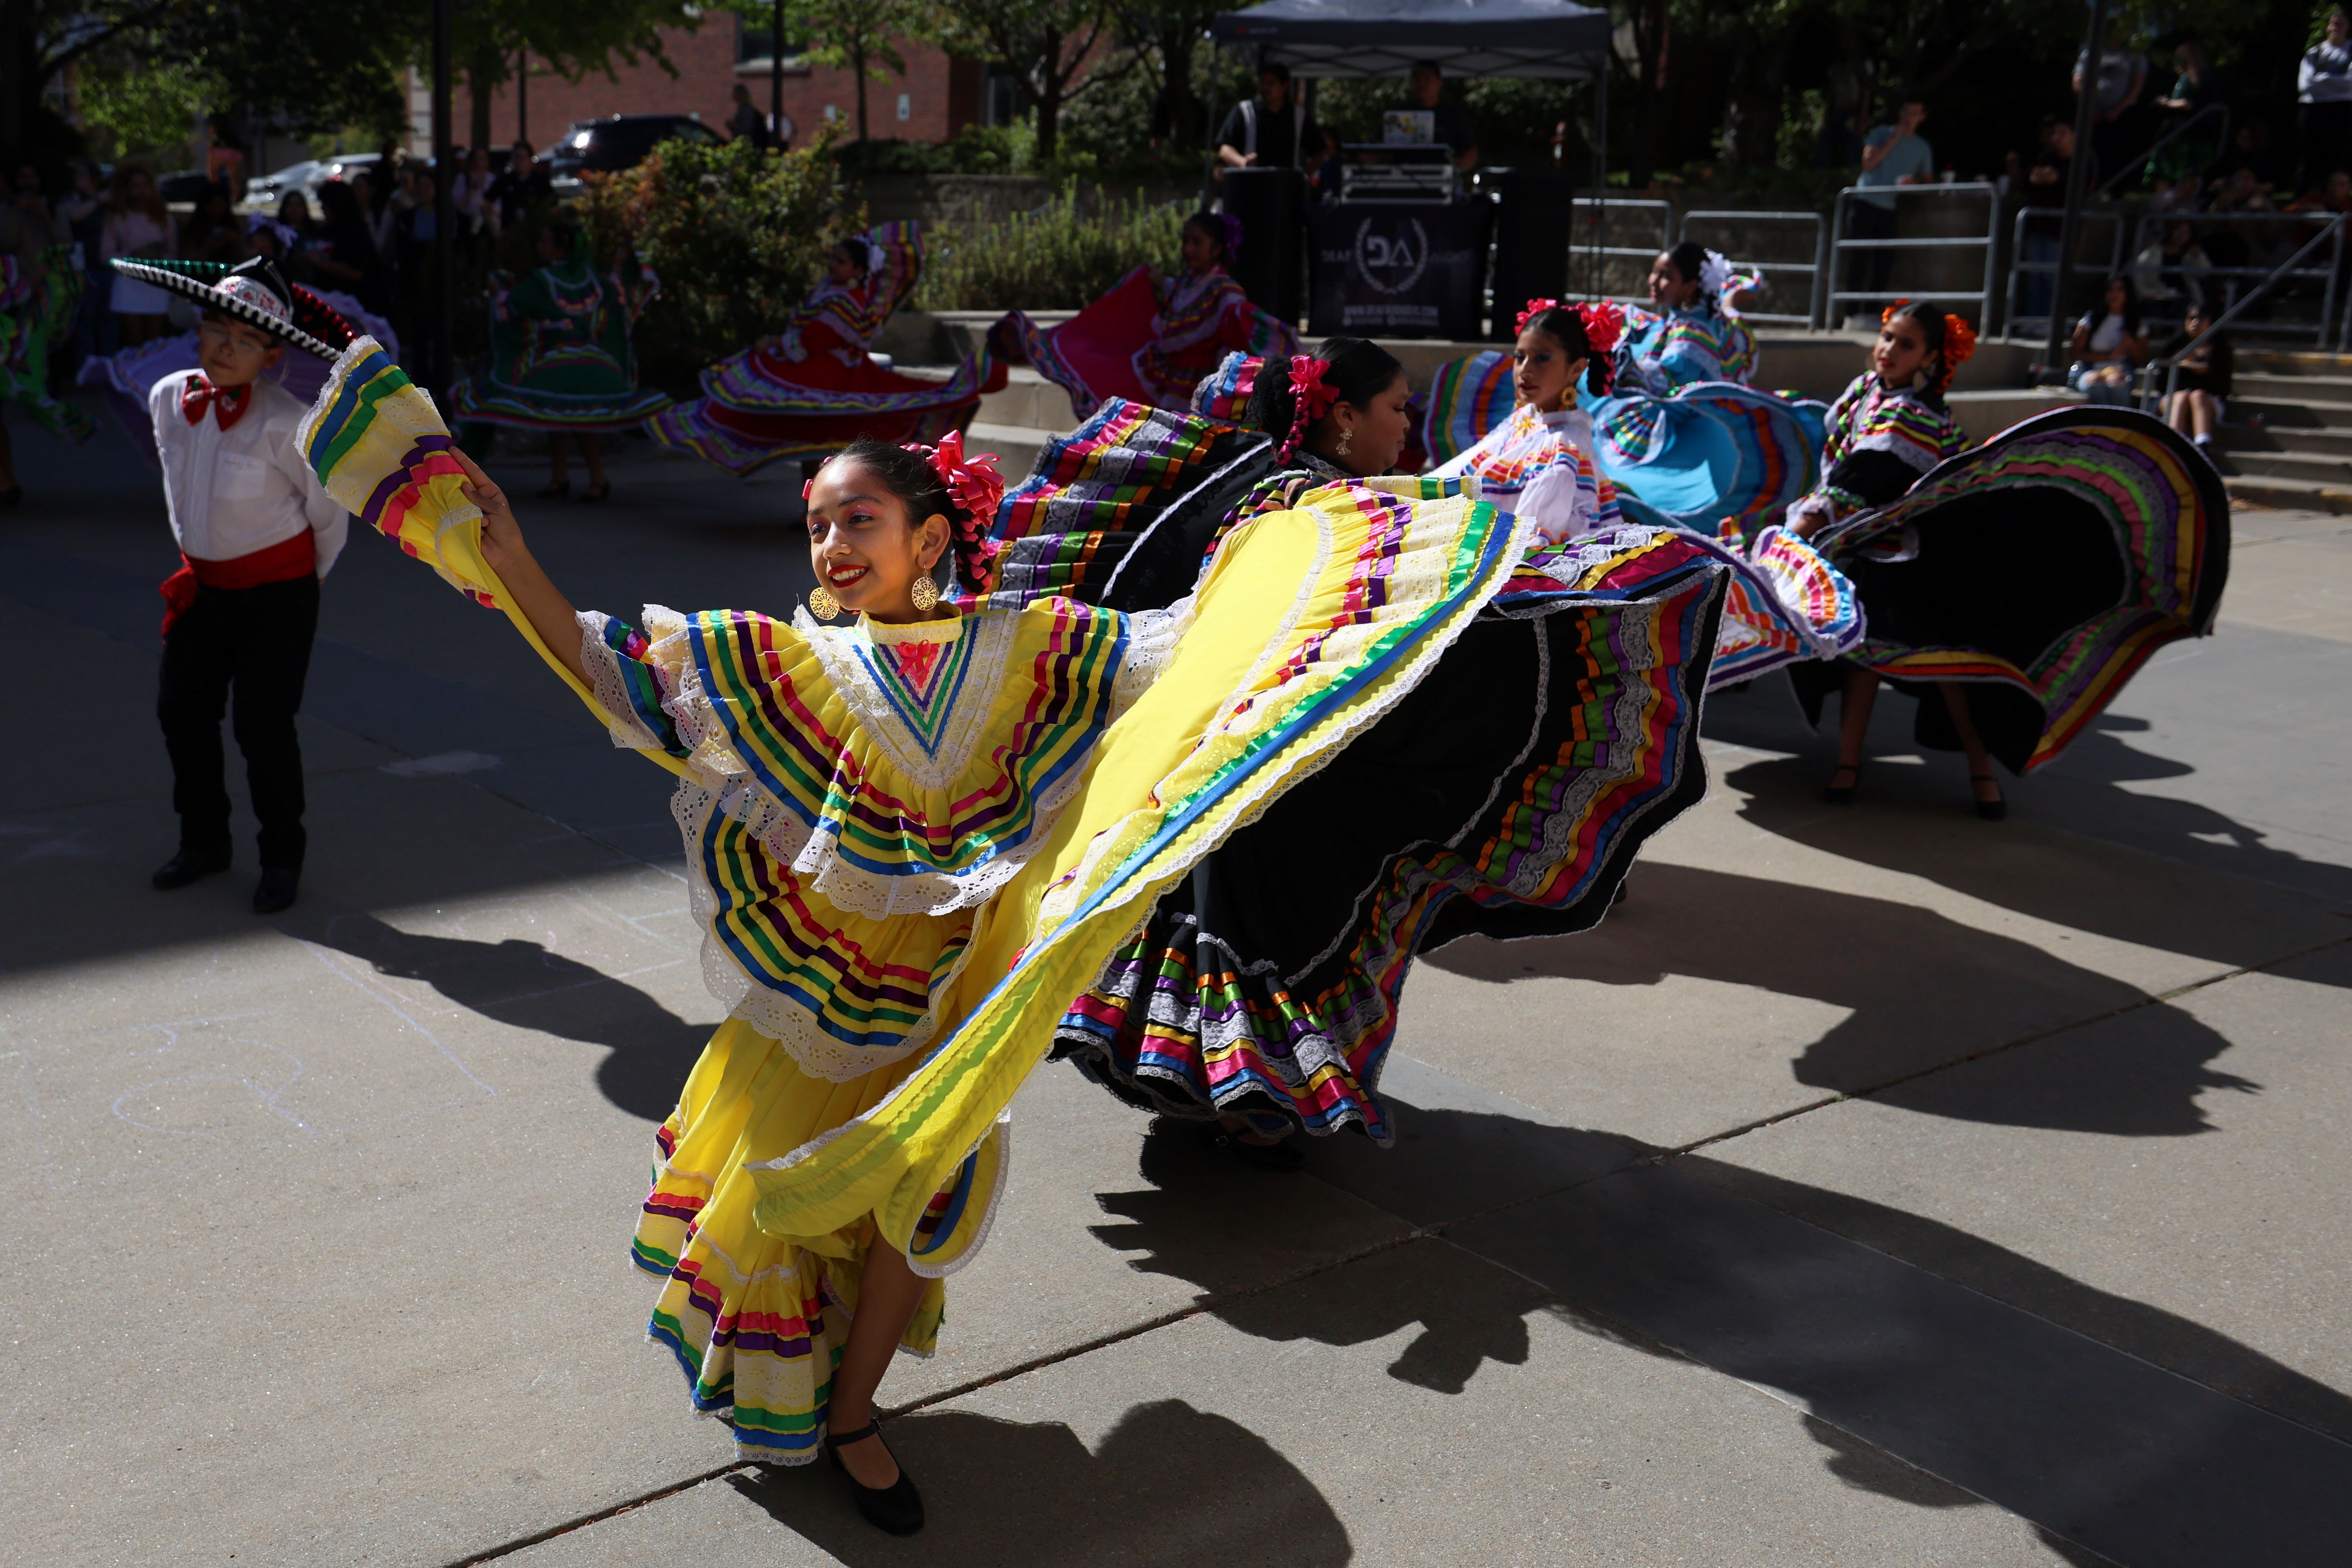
(1279, 1155)
(896, 1509)
(1997, 808)
(1833, 795)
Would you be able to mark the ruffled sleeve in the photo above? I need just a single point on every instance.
(623, 679)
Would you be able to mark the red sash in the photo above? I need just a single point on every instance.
(284, 561)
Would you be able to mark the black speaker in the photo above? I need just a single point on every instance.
(1271, 206)
(1534, 227)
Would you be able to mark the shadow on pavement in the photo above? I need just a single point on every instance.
(1169, 1484)
(1919, 990)
(1937, 1367)
(522, 983)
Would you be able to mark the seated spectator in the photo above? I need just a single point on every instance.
(2171, 267)
(2195, 408)
(2185, 194)
(2110, 344)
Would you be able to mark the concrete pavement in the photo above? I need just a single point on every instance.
(1877, 1186)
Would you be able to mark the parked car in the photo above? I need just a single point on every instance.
(615, 142)
(264, 193)
(344, 166)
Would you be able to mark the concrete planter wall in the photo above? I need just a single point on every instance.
(958, 201)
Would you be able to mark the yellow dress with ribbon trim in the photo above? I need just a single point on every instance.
(911, 847)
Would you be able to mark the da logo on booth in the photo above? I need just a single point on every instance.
(1393, 262)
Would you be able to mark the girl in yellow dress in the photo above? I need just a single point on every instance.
(914, 839)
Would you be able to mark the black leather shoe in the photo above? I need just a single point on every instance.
(276, 890)
(896, 1509)
(188, 866)
(1997, 808)
(1280, 1155)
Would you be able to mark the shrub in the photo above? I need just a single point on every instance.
(736, 235)
(1059, 257)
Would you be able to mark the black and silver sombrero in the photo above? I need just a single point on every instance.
(254, 293)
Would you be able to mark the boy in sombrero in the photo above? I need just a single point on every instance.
(256, 534)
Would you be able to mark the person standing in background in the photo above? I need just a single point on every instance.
(137, 225)
(2323, 88)
(1271, 131)
(1892, 154)
(2122, 76)
(747, 124)
(83, 211)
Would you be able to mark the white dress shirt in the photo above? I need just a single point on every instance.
(234, 492)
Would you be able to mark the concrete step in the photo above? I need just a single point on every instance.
(2285, 361)
(2315, 439)
(1028, 399)
(2300, 415)
(2302, 495)
(2292, 388)
(2320, 467)
(1016, 446)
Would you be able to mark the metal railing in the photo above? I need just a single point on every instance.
(1591, 218)
(2240, 285)
(2332, 235)
(1816, 271)
(2183, 128)
(2018, 266)
(1988, 242)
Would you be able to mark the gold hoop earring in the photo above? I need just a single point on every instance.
(926, 590)
(822, 604)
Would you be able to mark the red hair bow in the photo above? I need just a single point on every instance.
(975, 486)
(1534, 307)
(1313, 397)
(1605, 323)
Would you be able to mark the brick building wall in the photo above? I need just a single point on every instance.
(938, 96)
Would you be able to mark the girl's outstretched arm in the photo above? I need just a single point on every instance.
(542, 603)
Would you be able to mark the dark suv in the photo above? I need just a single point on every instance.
(615, 142)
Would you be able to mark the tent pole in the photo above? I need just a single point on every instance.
(1599, 176)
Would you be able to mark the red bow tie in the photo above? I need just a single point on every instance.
(201, 393)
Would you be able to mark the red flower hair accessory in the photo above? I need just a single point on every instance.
(1533, 309)
(976, 487)
(1314, 397)
(1605, 323)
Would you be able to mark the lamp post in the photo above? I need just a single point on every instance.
(445, 217)
(776, 79)
(2078, 174)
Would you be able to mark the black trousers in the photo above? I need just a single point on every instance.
(256, 643)
(1868, 270)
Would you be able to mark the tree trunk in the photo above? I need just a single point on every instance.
(1052, 78)
(1751, 126)
(857, 65)
(483, 74)
(1650, 41)
(1181, 104)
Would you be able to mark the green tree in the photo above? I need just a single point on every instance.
(1053, 45)
(862, 37)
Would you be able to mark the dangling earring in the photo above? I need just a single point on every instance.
(926, 590)
(1346, 435)
(822, 604)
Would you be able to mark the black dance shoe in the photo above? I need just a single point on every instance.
(188, 866)
(1835, 795)
(276, 890)
(896, 1509)
(1997, 808)
(1281, 1155)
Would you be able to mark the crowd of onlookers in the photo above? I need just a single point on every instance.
(369, 235)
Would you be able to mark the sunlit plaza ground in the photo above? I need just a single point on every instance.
(1877, 1186)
